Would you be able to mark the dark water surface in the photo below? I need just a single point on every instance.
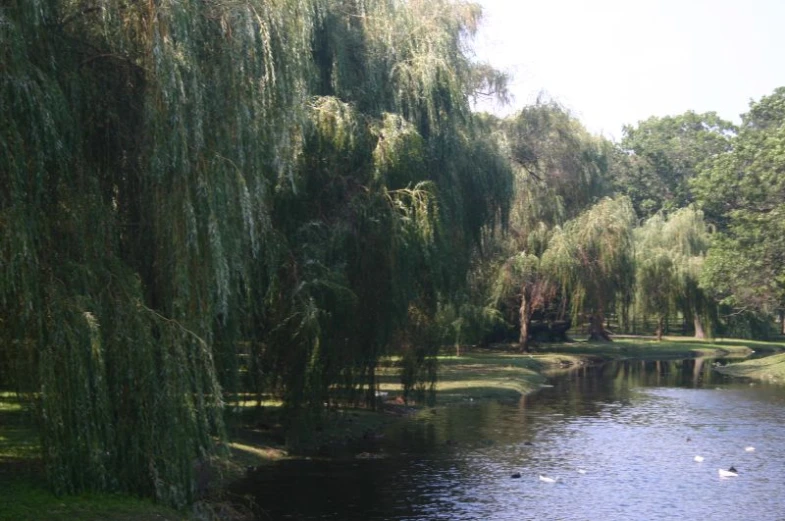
(634, 427)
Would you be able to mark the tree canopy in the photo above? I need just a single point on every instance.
(207, 198)
(742, 192)
(663, 154)
(206, 201)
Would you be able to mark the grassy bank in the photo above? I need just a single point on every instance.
(640, 348)
(497, 375)
(769, 369)
(257, 438)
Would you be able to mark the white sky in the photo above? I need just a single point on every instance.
(616, 62)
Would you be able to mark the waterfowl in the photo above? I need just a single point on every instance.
(730, 473)
(749, 449)
(517, 475)
(546, 479)
(698, 458)
(581, 471)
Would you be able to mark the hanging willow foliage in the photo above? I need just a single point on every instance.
(194, 187)
(592, 258)
(669, 256)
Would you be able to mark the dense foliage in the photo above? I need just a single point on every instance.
(202, 198)
(203, 201)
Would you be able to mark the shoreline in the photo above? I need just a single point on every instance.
(256, 440)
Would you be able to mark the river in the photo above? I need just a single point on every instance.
(633, 428)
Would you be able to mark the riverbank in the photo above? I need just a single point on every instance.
(648, 348)
(256, 434)
(496, 373)
(768, 369)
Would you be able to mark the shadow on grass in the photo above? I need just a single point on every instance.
(24, 495)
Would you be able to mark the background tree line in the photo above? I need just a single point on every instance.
(206, 199)
(678, 221)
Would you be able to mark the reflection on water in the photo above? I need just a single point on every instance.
(635, 428)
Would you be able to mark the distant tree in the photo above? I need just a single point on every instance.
(592, 258)
(564, 168)
(560, 170)
(669, 255)
(521, 276)
(743, 193)
(659, 157)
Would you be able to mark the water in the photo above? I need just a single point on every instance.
(633, 427)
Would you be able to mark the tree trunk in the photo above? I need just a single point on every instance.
(660, 321)
(782, 321)
(526, 315)
(699, 332)
(597, 331)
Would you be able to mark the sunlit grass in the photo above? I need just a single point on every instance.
(9, 402)
(495, 375)
(18, 438)
(668, 348)
(770, 368)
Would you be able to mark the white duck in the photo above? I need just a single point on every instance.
(698, 458)
(730, 473)
(546, 479)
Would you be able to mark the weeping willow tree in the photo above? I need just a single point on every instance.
(563, 168)
(191, 186)
(592, 258)
(395, 183)
(655, 277)
(560, 170)
(669, 258)
(523, 277)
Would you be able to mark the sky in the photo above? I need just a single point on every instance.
(617, 62)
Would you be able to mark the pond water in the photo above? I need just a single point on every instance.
(633, 427)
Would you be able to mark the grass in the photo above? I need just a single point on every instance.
(644, 348)
(23, 492)
(25, 500)
(495, 375)
(770, 368)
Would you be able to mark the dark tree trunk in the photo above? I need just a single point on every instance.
(526, 316)
(597, 331)
(660, 324)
